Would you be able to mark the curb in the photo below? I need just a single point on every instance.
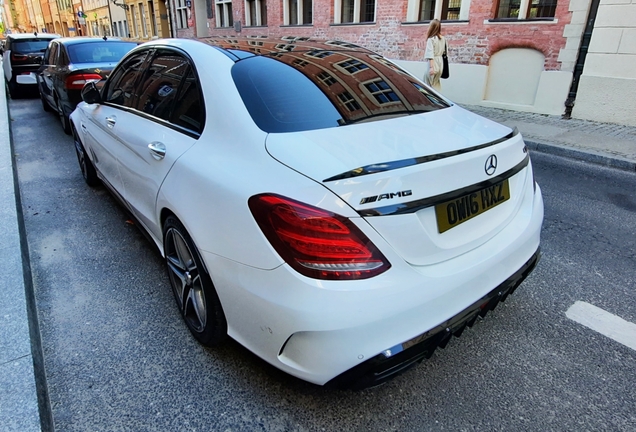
(598, 158)
(27, 405)
(37, 353)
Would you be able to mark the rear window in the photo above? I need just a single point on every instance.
(99, 52)
(29, 46)
(305, 90)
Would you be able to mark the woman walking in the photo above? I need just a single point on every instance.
(435, 45)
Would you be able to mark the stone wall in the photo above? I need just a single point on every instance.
(607, 87)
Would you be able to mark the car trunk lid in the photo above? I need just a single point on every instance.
(397, 174)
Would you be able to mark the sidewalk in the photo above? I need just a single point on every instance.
(602, 143)
(18, 391)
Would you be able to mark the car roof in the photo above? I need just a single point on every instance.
(264, 45)
(90, 39)
(33, 35)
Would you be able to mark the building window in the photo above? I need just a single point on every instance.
(518, 9)
(341, 44)
(285, 47)
(443, 10)
(509, 9)
(133, 13)
(354, 11)
(153, 20)
(351, 66)
(297, 12)
(292, 39)
(255, 13)
(300, 63)
(542, 9)
(427, 10)
(318, 54)
(348, 101)
(381, 92)
(144, 27)
(450, 10)
(326, 79)
(182, 14)
(224, 13)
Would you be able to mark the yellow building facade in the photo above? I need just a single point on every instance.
(147, 19)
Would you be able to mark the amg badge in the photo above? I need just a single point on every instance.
(391, 195)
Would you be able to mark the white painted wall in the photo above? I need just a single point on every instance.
(468, 85)
(607, 88)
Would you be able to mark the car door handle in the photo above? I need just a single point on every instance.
(157, 150)
(110, 121)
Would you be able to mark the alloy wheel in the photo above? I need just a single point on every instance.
(186, 280)
(81, 158)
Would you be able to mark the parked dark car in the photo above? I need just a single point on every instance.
(21, 58)
(69, 63)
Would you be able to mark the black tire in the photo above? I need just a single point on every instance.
(86, 166)
(66, 122)
(45, 105)
(192, 286)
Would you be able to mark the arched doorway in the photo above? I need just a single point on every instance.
(513, 76)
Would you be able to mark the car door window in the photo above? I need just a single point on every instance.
(160, 84)
(120, 88)
(52, 55)
(62, 58)
(189, 109)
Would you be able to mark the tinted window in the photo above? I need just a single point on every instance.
(52, 57)
(280, 98)
(120, 88)
(62, 58)
(283, 92)
(189, 110)
(99, 52)
(160, 84)
(28, 46)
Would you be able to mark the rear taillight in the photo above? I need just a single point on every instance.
(18, 57)
(76, 81)
(316, 243)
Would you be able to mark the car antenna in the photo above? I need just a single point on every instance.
(35, 34)
(105, 38)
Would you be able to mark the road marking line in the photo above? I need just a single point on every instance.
(605, 323)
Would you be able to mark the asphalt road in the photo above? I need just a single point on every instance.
(118, 356)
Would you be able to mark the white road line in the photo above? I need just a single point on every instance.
(605, 323)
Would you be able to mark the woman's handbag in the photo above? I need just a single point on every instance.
(445, 70)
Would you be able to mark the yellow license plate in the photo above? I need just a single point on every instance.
(457, 211)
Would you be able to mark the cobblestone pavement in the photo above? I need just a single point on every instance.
(615, 141)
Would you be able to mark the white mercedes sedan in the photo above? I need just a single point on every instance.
(312, 200)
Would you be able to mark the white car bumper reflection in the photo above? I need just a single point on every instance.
(26, 79)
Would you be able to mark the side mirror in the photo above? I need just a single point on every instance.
(90, 94)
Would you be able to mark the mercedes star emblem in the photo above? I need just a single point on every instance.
(491, 165)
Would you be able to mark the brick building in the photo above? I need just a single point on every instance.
(507, 53)
(516, 54)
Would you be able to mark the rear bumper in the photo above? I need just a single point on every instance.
(323, 331)
(388, 364)
(24, 75)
